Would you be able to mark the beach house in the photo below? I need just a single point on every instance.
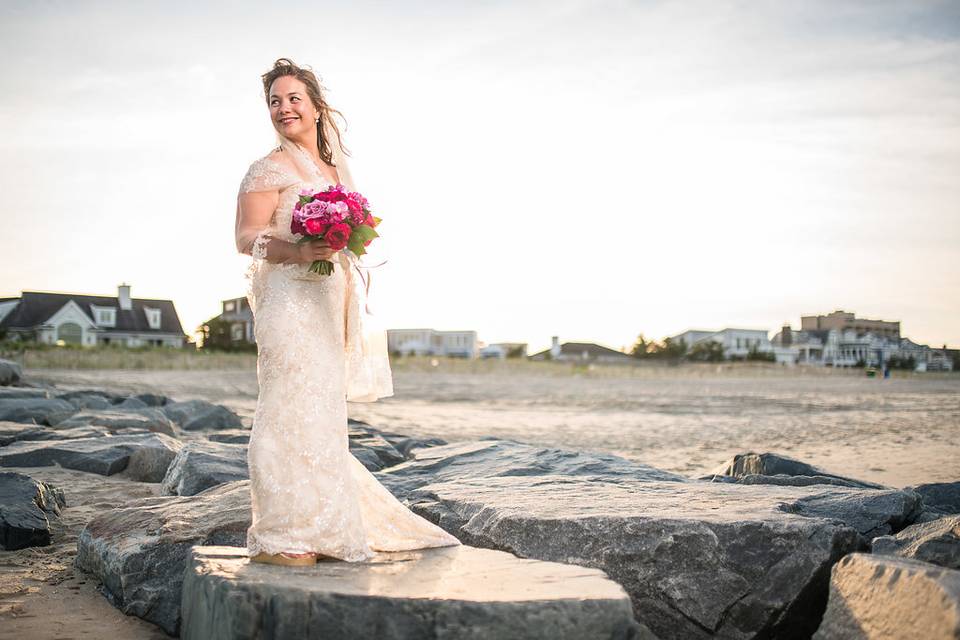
(87, 320)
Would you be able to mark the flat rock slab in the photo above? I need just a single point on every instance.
(882, 597)
(193, 415)
(936, 542)
(138, 551)
(11, 432)
(7, 393)
(448, 592)
(25, 508)
(200, 465)
(147, 454)
(116, 420)
(698, 559)
(46, 411)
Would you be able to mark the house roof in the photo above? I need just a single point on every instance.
(592, 349)
(36, 307)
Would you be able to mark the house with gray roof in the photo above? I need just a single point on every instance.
(581, 352)
(71, 318)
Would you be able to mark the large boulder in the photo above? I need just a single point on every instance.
(495, 458)
(447, 592)
(773, 464)
(886, 597)
(200, 465)
(401, 443)
(147, 454)
(25, 509)
(83, 394)
(115, 420)
(936, 542)
(193, 415)
(45, 411)
(10, 373)
(138, 551)
(9, 393)
(698, 559)
(379, 452)
(230, 436)
(940, 497)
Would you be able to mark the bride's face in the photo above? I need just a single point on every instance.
(291, 111)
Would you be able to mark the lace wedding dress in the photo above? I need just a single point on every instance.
(316, 350)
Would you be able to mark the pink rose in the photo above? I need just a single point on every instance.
(337, 235)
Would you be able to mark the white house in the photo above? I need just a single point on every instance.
(737, 343)
(503, 349)
(69, 318)
(432, 342)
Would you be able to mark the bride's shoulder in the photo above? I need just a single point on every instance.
(271, 172)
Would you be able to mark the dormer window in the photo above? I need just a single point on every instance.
(104, 316)
(228, 306)
(153, 317)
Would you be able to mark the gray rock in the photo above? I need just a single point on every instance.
(25, 509)
(193, 415)
(448, 592)
(10, 373)
(131, 403)
(44, 411)
(152, 399)
(201, 465)
(11, 432)
(493, 458)
(936, 542)
(8, 393)
(105, 455)
(942, 497)
(378, 452)
(115, 420)
(794, 481)
(95, 402)
(698, 559)
(82, 393)
(138, 551)
(886, 597)
(230, 436)
(773, 464)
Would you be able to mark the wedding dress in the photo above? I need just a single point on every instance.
(317, 348)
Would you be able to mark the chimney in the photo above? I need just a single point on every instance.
(555, 346)
(786, 336)
(123, 295)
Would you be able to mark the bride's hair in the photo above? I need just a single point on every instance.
(286, 67)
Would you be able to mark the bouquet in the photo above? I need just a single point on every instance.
(340, 217)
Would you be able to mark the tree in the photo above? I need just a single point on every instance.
(216, 337)
(706, 351)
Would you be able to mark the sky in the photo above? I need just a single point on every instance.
(590, 170)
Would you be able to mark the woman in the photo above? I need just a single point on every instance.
(311, 498)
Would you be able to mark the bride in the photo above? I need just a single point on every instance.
(310, 497)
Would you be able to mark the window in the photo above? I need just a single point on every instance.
(104, 316)
(153, 317)
(236, 332)
(228, 306)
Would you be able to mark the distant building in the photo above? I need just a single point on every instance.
(71, 318)
(237, 315)
(843, 321)
(737, 343)
(503, 350)
(581, 352)
(421, 342)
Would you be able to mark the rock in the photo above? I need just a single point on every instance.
(115, 420)
(82, 393)
(943, 497)
(94, 402)
(10, 373)
(406, 444)
(45, 411)
(152, 399)
(936, 542)
(886, 597)
(132, 403)
(8, 393)
(230, 436)
(138, 551)
(105, 455)
(698, 559)
(25, 508)
(201, 465)
(11, 432)
(447, 592)
(772, 464)
(375, 449)
(793, 481)
(200, 414)
(492, 458)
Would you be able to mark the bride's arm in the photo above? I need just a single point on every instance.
(254, 210)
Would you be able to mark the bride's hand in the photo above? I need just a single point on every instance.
(318, 249)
